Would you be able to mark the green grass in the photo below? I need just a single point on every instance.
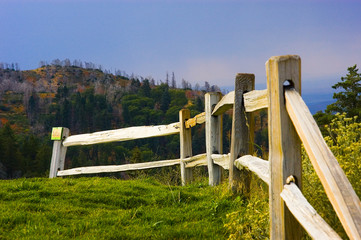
(105, 208)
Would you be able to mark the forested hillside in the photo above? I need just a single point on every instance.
(85, 99)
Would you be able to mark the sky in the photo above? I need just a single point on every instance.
(198, 40)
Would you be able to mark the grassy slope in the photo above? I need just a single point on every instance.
(105, 208)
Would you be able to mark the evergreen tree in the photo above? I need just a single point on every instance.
(145, 88)
(32, 108)
(10, 155)
(165, 101)
(29, 149)
(199, 104)
(42, 158)
(348, 100)
(134, 85)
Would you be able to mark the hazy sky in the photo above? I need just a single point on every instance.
(199, 40)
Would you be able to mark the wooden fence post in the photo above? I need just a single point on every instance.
(185, 145)
(214, 132)
(242, 134)
(284, 144)
(59, 151)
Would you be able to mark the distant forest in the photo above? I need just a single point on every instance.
(86, 98)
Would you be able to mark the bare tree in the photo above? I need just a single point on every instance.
(196, 87)
(207, 87)
(174, 83)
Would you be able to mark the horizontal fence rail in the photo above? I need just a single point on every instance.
(194, 161)
(255, 100)
(224, 104)
(257, 165)
(198, 119)
(124, 134)
(117, 168)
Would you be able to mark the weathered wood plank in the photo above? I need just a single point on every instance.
(58, 156)
(242, 134)
(123, 134)
(311, 221)
(198, 119)
(224, 104)
(213, 137)
(257, 165)
(185, 142)
(338, 189)
(118, 168)
(197, 160)
(201, 160)
(255, 100)
(284, 144)
(221, 160)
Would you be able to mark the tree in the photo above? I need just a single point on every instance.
(11, 157)
(145, 88)
(207, 87)
(134, 85)
(174, 83)
(167, 79)
(348, 100)
(33, 108)
(196, 87)
(165, 100)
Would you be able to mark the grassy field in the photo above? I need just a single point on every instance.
(106, 208)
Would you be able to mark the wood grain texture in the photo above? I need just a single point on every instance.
(257, 165)
(213, 137)
(284, 144)
(221, 160)
(198, 119)
(311, 221)
(118, 168)
(123, 134)
(242, 134)
(58, 155)
(193, 161)
(224, 104)
(338, 189)
(201, 160)
(197, 160)
(255, 100)
(185, 141)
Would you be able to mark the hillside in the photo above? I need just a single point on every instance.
(104, 208)
(86, 100)
(30, 94)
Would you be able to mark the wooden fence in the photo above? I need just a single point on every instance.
(290, 123)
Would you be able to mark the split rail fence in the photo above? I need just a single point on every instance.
(290, 123)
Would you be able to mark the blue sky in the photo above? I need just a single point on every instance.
(199, 40)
